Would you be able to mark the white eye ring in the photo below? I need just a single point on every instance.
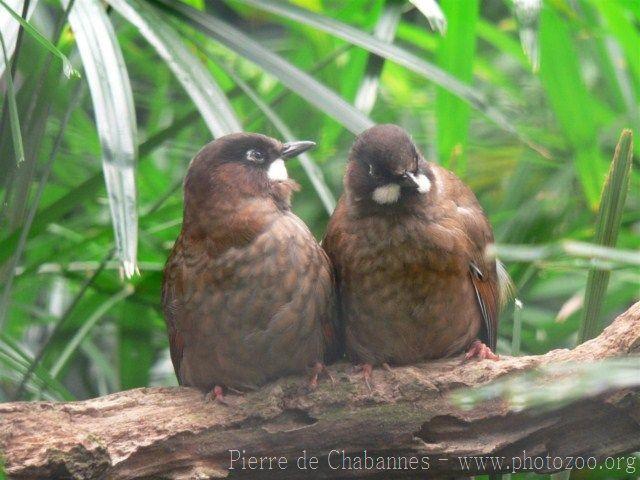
(371, 172)
(255, 156)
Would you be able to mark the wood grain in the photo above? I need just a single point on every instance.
(173, 433)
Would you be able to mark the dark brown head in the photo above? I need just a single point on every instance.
(241, 165)
(386, 170)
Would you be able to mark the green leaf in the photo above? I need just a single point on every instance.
(38, 90)
(42, 40)
(26, 227)
(501, 40)
(607, 228)
(574, 108)
(87, 189)
(72, 345)
(107, 380)
(391, 52)
(433, 14)
(136, 346)
(614, 69)
(60, 322)
(15, 359)
(617, 22)
(115, 118)
(207, 96)
(385, 30)
(14, 120)
(302, 83)
(571, 382)
(596, 254)
(10, 28)
(528, 13)
(455, 55)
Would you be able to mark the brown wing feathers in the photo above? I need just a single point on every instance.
(487, 298)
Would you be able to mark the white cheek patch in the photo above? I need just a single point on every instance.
(389, 193)
(277, 171)
(422, 181)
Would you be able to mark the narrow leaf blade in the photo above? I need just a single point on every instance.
(433, 14)
(207, 96)
(528, 13)
(302, 83)
(396, 54)
(385, 30)
(68, 69)
(10, 27)
(607, 228)
(456, 53)
(72, 346)
(115, 118)
(14, 119)
(573, 106)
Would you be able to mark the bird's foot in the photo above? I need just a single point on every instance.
(367, 370)
(318, 369)
(480, 351)
(389, 369)
(216, 395)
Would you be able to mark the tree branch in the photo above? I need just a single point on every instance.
(407, 422)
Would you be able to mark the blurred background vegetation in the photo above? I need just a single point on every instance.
(104, 104)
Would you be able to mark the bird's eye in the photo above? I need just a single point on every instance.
(255, 156)
(371, 170)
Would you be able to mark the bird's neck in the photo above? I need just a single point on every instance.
(233, 220)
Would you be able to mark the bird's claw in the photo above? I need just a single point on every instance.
(367, 370)
(480, 351)
(216, 395)
(318, 369)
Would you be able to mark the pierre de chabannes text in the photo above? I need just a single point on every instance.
(341, 460)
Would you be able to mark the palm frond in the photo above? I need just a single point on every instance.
(207, 96)
(115, 118)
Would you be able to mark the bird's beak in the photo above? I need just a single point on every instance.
(419, 181)
(293, 149)
(407, 180)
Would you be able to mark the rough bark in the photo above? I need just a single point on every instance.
(174, 433)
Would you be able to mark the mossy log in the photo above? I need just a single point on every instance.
(407, 424)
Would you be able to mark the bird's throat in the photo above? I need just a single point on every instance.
(386, 194)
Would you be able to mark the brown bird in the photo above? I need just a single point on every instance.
(248, 294)
(407, 241)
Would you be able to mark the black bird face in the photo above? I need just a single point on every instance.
(250, 164)
(256, 151)
(385, 168)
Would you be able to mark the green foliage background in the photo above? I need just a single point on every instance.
(534, 144)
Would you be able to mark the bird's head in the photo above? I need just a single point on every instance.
(243, 164)
(385, 169)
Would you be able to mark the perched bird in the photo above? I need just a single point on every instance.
(248, 294)
(407, 241)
